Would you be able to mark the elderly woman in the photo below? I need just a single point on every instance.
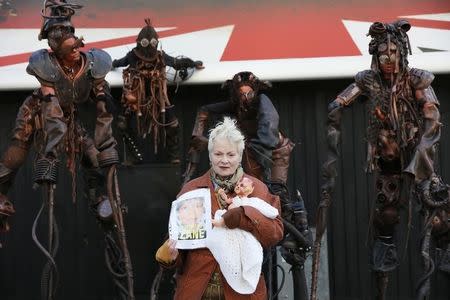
(199, 275)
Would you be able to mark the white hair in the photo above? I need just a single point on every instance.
(227, 130)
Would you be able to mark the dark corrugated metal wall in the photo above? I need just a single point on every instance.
(302, 107)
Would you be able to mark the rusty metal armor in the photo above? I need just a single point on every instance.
(402, 135)
(59, 111)
(56, 115)
(45, 67)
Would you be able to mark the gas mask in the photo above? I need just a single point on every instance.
(245, 85)
(147, 40)
(247, 96)
(385, 56)
(146, 43)
(389, 58)
(244, 88)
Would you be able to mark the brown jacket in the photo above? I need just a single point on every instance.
(195, 267)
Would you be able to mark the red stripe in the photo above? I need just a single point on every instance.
(23, 57)
(14, 59)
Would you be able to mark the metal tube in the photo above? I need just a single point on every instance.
(114, 198)
(299, 281)
(315, 268)
(269, 275)
(51, 195)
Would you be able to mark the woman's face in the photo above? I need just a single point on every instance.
(224, 157)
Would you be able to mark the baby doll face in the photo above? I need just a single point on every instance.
(244, 187)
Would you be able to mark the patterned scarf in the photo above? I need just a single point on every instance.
(226, 183)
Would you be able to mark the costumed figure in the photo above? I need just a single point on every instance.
(402, 135)
(266, 156)
(199, 275)
(145, 93)
(48, 120)
(267, 151)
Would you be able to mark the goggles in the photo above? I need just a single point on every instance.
(145, 42)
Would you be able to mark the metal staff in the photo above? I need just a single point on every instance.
(51, 221)
(329, 175)
(296, 245)
(116, 206)
(46, 173)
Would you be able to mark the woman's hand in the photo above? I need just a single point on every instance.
(221, 193)
(173, 251)
(218, 223)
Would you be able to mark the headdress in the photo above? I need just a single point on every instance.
(391, 35)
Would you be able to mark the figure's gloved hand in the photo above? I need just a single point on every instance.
(291, 253)
(443, 259)
(198, 143)
(109, 102)
(384, 255)
(6, 210)
(198, 64)
(114, 64)
(122, 123)
(299, 239)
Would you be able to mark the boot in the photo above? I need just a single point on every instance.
(12, 159)
(443, 259)
(198, 141)
(384, 255)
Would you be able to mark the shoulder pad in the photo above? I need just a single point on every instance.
(267, 108)
(100, 63)
(420, 79)
(366, 79)
(41, 66)
(264, 97)
(265, 104)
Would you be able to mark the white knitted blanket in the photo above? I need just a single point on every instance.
(237, 251)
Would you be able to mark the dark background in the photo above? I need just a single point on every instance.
(148, 189)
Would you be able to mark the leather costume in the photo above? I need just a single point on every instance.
(48, 120)
(403, 132)
(69, 92)
(267, 151)
(145, 91)
(57, 118)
